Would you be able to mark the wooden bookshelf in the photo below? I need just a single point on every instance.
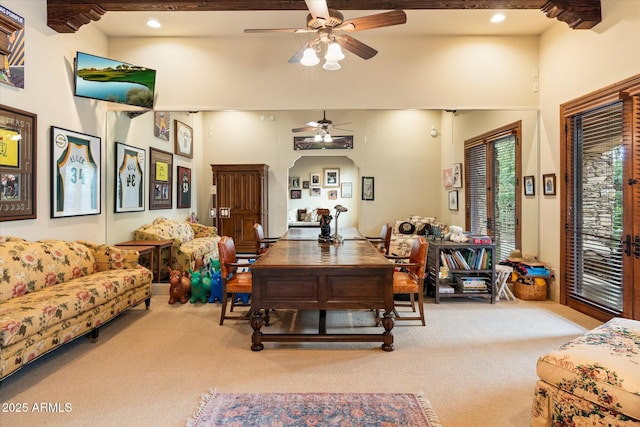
(469, 265)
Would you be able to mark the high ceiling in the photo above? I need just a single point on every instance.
(126, 18)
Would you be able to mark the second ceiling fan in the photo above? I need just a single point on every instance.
(330, 27)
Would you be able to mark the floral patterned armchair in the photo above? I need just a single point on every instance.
(191, 241)
(593, 380)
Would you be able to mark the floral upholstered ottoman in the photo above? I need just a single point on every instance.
(593, 380)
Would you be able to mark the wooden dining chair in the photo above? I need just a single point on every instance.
(383, 242)
(410, 280)
(233, 281)
(262, 243)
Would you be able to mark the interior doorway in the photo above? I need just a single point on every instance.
(324, 182)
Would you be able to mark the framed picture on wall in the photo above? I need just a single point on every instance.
(294, 182)
(183, 139)
(183, 187)
(160, 172)
(367, 187)
(161, 124)
(453, 200)
(549, 184)
(17, 164)
(331, 177)
(529, 185)
(315, 179)
(75, 173)
(333, 194)
(129, 176)
(296, 194)
(457, 175)
(345, 190)
(315, 191)
(447, 177)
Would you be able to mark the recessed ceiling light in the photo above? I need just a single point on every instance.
(153, 23)
(498, 17)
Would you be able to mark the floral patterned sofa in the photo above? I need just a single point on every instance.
(593, 380)
(191, 241)
(406, 230)
(52, 291)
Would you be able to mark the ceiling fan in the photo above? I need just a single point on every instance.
(329, 25)
(322, 128)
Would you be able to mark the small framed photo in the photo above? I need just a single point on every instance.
(367, 188)
(453, 200)
(333, 194)
(75, 173)
(294, 182)
(296, 194)
(161, 123)
(305, 185)
(183, 138)
(345, 190)
(315, 180)
(457, 175)
(447, 177)
(331, 177)
(529, 185)
(549, 184)
(316, 191)
(183, 183)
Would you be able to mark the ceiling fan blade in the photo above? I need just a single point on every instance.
(313, 124)
(385, 19)
(357, 47)
(277, 30)
(318, 9)
(304, 129)
(343, 129)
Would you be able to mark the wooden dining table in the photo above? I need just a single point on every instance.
(301, 273)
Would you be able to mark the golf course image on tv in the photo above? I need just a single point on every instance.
(114, 81)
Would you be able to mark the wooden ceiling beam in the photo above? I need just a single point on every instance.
(67, 16)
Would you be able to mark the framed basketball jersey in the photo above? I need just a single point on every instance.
(75, 173)
(129, 177)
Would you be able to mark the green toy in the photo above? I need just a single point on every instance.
(200, 286)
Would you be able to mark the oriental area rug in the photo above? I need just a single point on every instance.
(314, 409)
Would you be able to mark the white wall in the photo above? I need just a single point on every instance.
(48, 93)
(249, 73)
(572, 64)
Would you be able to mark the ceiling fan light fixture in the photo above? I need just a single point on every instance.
(309, 58)
(327, 138)
(317, 138)
(331, 65)
(334, 52)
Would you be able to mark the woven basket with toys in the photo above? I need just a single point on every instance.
(529, 276)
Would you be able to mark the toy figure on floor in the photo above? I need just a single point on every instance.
(180, 288)
(325, 229)
(200, 286)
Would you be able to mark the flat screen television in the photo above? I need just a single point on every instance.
(114, 81)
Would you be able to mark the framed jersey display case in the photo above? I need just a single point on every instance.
(75, 173)
(17, 164)
(130, 175)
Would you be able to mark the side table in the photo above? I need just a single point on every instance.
(158, 245)
(142, 250)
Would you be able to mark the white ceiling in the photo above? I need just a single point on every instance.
(225, 24)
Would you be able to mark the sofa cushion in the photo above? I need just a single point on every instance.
(22, 317)
(27, 266)
(600, 366)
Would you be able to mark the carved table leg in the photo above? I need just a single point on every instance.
(256, 324)
(387, 323)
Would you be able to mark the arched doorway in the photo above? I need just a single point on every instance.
(311, 186)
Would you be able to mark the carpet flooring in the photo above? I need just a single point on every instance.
(314, 409)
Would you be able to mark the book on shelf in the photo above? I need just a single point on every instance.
(446, 289)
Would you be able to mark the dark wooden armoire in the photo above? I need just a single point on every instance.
(244, 191)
